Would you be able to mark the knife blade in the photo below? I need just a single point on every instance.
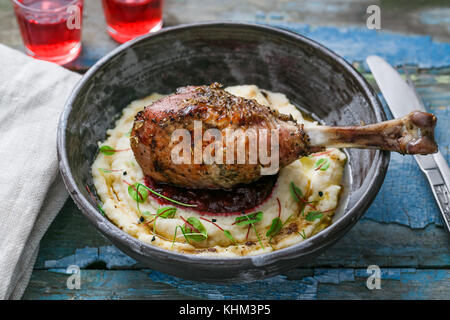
(402, 98)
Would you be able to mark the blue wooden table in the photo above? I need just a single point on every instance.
(401, 232)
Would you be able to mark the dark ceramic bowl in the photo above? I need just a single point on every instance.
(311, 76)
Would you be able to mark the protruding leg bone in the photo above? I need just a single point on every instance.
(412, 134)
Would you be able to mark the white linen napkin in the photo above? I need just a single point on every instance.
(32, 96)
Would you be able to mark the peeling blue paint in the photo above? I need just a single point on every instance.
(356, 43)
(306, 288)
(436, 16)
(334, 275)
(110, 255)
(114, 258)
(147, 284)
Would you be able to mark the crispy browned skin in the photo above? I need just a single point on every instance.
(215, 108)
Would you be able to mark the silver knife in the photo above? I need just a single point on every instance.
(402, 98)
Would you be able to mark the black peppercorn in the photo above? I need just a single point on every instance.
(320, 193)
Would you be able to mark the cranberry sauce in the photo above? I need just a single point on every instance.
(242, 198)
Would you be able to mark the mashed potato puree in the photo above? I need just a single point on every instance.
(317, 176)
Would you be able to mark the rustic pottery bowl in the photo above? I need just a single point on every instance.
(312, 77)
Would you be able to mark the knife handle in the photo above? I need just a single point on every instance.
(437, 177)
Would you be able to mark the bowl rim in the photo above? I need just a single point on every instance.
(325, 237)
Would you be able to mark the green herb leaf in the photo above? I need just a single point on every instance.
(229, 236)
(110, 170)
(137, 193)
(319, 162)
(275, 227)
(322, 164)
(325, 166)
(107, 150)
(257, 236)
(296, 193)
(167, 198)
(193, 234)
(175, 235)
(302, 234)
(166, 212)
(313, 215)
(249, 219)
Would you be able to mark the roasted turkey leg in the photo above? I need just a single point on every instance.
(152, 137)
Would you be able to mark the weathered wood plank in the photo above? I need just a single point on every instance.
(100, 284)
(304, 284)
(336, 24)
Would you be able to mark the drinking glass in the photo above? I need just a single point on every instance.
(51, 29)
(128, 19)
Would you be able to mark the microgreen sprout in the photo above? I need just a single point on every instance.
(226, 232)
(313, 215)
(296, 193)
(162, 196)
(250, 220)
(109, 151)
(302, 234)
(95, 200)
(194, 229)
(322, 164)
(136, 194)
(276, 225)
(110, 170)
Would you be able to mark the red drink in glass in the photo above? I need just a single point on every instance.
(128, 19)
(51, 29)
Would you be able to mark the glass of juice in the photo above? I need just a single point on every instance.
(51, 29)
(128, 19)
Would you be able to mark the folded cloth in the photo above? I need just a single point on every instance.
(32, 96)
